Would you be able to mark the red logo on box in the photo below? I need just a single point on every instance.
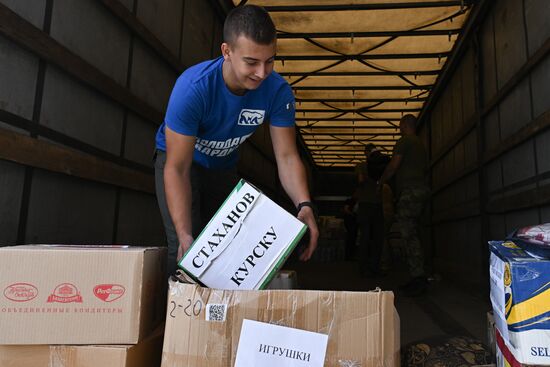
(20, 292)
(65, 293)
(109, 292)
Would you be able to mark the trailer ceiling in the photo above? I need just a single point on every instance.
(357, 66)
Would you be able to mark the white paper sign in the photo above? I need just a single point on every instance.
(267, 345)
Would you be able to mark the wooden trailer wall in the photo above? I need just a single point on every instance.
(83, 88)
(489, 139)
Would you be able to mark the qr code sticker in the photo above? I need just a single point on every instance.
(216, 312)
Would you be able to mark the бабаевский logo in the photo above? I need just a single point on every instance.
(65, 293)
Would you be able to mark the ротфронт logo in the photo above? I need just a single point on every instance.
(65, 293)
(20, 292)
(109, 292)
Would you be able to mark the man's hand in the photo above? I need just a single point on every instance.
(306, 215)
(185, 243)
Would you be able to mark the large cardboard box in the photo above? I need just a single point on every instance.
(245, 243)
(80, 294)
(147, 353)
(520, 295)
(203, 325)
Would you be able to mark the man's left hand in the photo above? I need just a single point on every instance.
(306, 215)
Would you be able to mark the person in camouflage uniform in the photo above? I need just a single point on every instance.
(409, 164)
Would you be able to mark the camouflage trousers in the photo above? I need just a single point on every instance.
(408, 210)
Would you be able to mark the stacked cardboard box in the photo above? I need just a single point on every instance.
(61, 305)
(520, 296)
(331, 228)
(203, 326)
(146, 353)
(332, 240)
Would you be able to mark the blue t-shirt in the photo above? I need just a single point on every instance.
(201, 105)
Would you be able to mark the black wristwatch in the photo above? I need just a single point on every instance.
(306, 203)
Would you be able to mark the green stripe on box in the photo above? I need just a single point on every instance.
(284, 257)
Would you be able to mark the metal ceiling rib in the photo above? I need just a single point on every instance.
(356, 67)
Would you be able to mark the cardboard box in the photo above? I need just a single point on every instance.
(203, 325)
(245, 243)
(331, 227)
(80, 294)
(285, 279)
(146, 353)
(520, 295)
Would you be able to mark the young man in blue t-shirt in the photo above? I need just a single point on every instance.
(214, 107)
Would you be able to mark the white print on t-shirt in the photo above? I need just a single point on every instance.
(251, 117)
(219, 148)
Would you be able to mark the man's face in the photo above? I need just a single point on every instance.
(249, 63)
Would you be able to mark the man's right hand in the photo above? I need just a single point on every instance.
(307, 216)
(185, 243)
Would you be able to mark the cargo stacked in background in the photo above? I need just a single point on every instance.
(71, 306)
(332, 240)
(520, 296)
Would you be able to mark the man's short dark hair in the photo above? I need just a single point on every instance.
(251, 21)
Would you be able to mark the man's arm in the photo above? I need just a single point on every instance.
(177, 185)
(293, 178)
(390, 170)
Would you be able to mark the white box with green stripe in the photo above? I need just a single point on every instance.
(245, 243)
